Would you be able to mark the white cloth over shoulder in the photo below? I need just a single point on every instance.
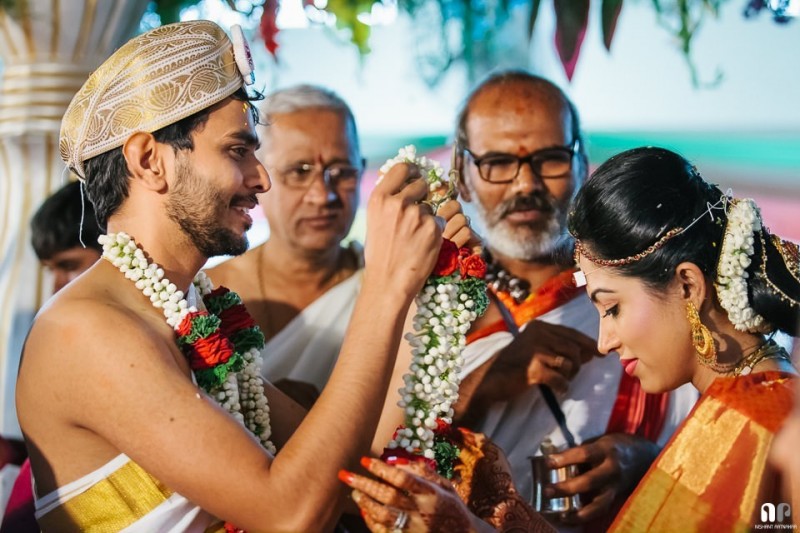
(520, 426)
(308, 347)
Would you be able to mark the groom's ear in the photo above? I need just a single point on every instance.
(148, 160)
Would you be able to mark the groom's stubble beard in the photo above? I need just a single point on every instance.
(197, 207)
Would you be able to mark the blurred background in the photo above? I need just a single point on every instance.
(716, 80)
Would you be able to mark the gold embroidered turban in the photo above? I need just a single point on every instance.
(154, 80)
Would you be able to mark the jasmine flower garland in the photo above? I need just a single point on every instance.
(221, 340)
(744, 221)
(440, 187)
(451, 299)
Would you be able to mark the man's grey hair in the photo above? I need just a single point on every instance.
(304, 97)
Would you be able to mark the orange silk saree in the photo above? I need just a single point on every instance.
(713, 474)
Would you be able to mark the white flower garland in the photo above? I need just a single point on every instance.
(443, 318)
(440, 324)
(242, 394)
(744, 221)
(440, 187)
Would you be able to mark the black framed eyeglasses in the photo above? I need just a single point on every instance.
(549, 163)
(338, 176)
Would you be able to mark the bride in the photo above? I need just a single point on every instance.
(691, 287)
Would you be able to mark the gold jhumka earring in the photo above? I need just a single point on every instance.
(701, 338)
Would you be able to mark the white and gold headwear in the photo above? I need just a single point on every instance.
(154, 80)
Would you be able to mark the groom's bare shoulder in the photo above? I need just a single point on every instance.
(88, 336)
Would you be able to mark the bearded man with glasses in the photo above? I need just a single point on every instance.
(548, 163)
(300, 285)
(533, 373)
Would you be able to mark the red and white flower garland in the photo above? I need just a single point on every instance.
(218, 336)
(451, 299)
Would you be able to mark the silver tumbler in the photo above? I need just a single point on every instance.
(543, 475)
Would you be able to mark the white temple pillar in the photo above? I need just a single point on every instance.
(48, 48)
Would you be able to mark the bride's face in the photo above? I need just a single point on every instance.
(648, 329)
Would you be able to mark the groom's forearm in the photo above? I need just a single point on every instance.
(338, 430)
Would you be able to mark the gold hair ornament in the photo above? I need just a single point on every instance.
(580, 277)
(789, 256)
(581, 250)
(790, 252)
(720, 204)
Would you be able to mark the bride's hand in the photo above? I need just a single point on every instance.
(407, 497)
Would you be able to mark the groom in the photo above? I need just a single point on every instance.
(119, 433)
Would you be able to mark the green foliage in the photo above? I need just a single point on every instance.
(248, 338)
(217, 304)
(445, 455)
(610, 14)
(16, 9)
(170, 10)
(481, 25)
(202, 326)
(347, 12)
(683, 19)
(475, 288)
(439, 280)
(212, 378)
(533, 16)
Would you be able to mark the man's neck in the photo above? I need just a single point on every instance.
(318, 270)
(288, 281)
(535, 272)
(166, 246)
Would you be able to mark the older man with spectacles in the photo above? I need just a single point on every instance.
(301, 284)
(547, 163)
(535, 380)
